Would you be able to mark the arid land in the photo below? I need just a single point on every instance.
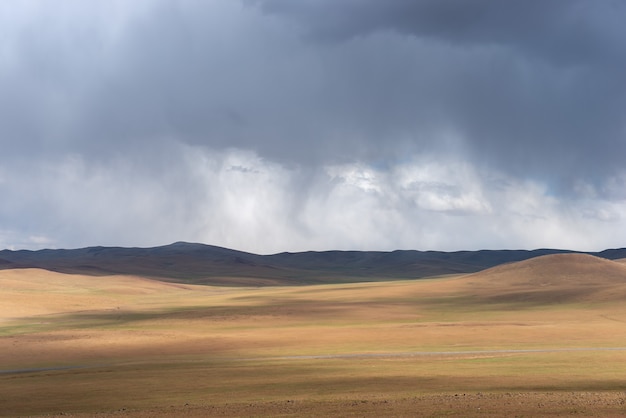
(541, 337)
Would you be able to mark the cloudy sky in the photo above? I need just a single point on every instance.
(289, 125)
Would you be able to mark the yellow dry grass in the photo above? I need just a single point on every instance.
(152, 347)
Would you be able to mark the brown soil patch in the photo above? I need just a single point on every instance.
(551, 404)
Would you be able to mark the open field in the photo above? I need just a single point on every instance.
(540, 337)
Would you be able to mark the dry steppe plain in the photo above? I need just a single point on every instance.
(541, 337)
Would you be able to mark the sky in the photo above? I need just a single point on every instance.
(294, 125)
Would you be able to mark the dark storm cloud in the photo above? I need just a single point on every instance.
(520, 85)
(535, 85)
(570, 31)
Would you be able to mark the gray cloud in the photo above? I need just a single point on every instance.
(320, 123)
(562, 31)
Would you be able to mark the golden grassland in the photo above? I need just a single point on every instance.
(135, 347)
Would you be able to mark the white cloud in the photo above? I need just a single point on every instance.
(442, 185)
(237, 199)
(356, 175)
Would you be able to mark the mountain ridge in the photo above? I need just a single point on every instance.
(205, 264)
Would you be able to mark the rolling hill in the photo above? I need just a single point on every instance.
(206, 264)
(28, 292)
(555, 278)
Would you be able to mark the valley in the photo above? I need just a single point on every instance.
(543, 336)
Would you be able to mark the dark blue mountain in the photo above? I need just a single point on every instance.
(200, 263)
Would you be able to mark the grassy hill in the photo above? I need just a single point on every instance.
(554, 278)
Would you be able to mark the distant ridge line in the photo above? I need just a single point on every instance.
(207, 264)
